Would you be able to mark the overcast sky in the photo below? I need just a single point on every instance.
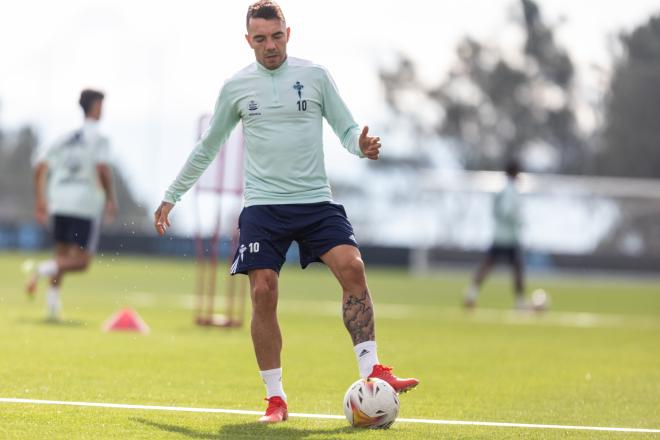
(163, 62)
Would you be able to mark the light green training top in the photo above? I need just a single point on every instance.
(507, 215)
(282, 114)
(73, 183)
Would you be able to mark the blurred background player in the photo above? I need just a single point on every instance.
(506, 240)
(282, 102)
(73, 186)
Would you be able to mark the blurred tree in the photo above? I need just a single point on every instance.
(630, 138)
(495, 108)
(631, 135)
(15, 176)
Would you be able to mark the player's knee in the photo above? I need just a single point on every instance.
(262, 290)
(352, 273)
(84, 261)
(264, 296)
(354, 267)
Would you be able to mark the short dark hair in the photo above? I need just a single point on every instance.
(265, 9)
(87, 98)
(512, 168)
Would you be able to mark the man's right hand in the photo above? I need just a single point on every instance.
(41, 212)
(161, 221)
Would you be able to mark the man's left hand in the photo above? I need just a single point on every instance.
(370, 146)
(110, 211)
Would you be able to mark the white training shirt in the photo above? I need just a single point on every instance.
(73, 184)
(282, 112)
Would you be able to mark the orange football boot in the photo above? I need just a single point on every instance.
(385, 373)
(276, 412)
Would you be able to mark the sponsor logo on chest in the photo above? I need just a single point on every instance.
(253, 108)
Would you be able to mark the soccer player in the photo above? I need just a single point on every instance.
(506, 241)
(281, 102)
(79, 180)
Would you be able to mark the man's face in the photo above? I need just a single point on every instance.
(268, 39)
(95, 110)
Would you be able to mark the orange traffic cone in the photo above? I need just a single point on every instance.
(126, 319)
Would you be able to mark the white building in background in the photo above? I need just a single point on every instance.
(432, 206)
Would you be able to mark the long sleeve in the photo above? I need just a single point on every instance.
(224, 119)
(339, 116)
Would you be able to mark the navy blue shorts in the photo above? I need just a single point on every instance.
(267, 231)
(510, 254)
(75, 230)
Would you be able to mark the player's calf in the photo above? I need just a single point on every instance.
(48, 268)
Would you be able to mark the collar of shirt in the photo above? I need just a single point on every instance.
(281, 68)
(90, 130)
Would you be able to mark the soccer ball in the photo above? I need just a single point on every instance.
(540, 300)
(371, 403)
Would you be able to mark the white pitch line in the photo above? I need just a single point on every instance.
(322, 416)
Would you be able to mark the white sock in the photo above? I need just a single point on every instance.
(53, 301)
(472, 292)
(47, 268)
(273, 380)
(367, 357)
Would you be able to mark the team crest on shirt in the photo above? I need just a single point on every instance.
(253, 107)
(298, 87)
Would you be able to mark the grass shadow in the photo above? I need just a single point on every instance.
(72, 323)
(247, 430)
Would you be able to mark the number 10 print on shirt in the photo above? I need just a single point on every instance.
(302, 103)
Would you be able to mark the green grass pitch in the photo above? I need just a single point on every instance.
(592, 360)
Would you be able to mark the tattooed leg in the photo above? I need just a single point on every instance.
(346, 264)
(359, 317)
